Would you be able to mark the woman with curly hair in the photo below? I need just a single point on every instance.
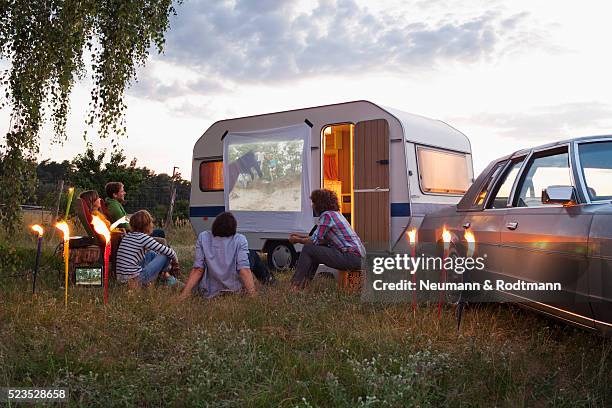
(334, 243)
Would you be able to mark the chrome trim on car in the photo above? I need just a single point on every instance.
(556, 308)
(517, 180)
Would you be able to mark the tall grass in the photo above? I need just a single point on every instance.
(318, 348)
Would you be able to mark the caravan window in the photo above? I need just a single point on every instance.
(211, 175)
(442, 171)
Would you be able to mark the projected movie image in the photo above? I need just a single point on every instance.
(88, 276)
(265, 176)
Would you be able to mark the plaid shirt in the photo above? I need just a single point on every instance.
(333, 228)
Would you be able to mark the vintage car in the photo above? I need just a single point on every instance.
(542, 215)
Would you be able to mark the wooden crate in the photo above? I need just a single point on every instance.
(350, 281)
(81, 257)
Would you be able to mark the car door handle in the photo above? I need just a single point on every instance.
(512, 225)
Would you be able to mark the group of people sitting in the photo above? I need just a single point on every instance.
(142, 255)
(223, 261)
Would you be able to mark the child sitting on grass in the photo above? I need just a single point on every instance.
(140, 258)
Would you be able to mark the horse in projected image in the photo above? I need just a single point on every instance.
(244, 165)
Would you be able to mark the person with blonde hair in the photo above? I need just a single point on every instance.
(140, 258)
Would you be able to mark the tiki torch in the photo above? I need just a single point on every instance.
(471, 246)
(412, 234)
(69, 202)
(39, 230)
(101, 228)
(471, 243)
(446, 238)
(63, 226)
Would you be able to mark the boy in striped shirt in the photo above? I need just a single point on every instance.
(140, 258)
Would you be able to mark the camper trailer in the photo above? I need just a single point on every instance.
(388, 168)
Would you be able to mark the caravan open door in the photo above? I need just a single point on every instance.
(371, 183)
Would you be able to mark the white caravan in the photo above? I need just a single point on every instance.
(389, 168)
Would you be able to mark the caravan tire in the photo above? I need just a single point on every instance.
(281, 255)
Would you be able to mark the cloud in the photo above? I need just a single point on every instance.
(546, 123)
(159, 87)
(228, 43)
(247, 41)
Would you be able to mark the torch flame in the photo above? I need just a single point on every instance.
(471, 240)
(446, 236)
(469, 237)
(412, 236)
(63, 226)
(101, 228)
(38, 229)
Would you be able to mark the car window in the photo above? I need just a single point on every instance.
(543, 171)
(504, 186)
(488, 185)
(596, 161)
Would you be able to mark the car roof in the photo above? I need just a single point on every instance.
(553, 144)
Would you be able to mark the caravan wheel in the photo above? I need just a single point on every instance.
(281, 255)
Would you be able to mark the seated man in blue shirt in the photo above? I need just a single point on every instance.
(221, 261)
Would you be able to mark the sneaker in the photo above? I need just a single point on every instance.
(170, 281)
(173, 282)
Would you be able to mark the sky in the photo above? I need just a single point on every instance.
(508, 74)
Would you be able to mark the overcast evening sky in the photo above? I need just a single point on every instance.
(508, 74)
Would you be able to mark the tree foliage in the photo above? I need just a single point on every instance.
(91, 171)
(49, 44)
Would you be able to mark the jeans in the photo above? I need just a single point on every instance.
(259, 269)
(159, 233)
(152, 265)
(313, 255)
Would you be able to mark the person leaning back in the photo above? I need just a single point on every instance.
(115, 198)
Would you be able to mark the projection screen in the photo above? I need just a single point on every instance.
(267, 182)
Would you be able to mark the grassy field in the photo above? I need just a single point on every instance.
(319, 348)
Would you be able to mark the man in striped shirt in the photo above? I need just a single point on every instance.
(334, 243)
(140, 258)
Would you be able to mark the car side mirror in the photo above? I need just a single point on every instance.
(564, 195)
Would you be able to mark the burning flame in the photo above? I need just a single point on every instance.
(122, 220)
(471, 240)
(63, 226)
(446, 237)
(38, 229)
(412, 236)
(101, 228)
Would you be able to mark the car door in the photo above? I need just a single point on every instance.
(594, 159)
(546, 242)
(486, 223)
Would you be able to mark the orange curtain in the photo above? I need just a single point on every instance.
(330, 167)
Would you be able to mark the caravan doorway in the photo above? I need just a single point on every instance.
(337, 165)
(355, 164)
